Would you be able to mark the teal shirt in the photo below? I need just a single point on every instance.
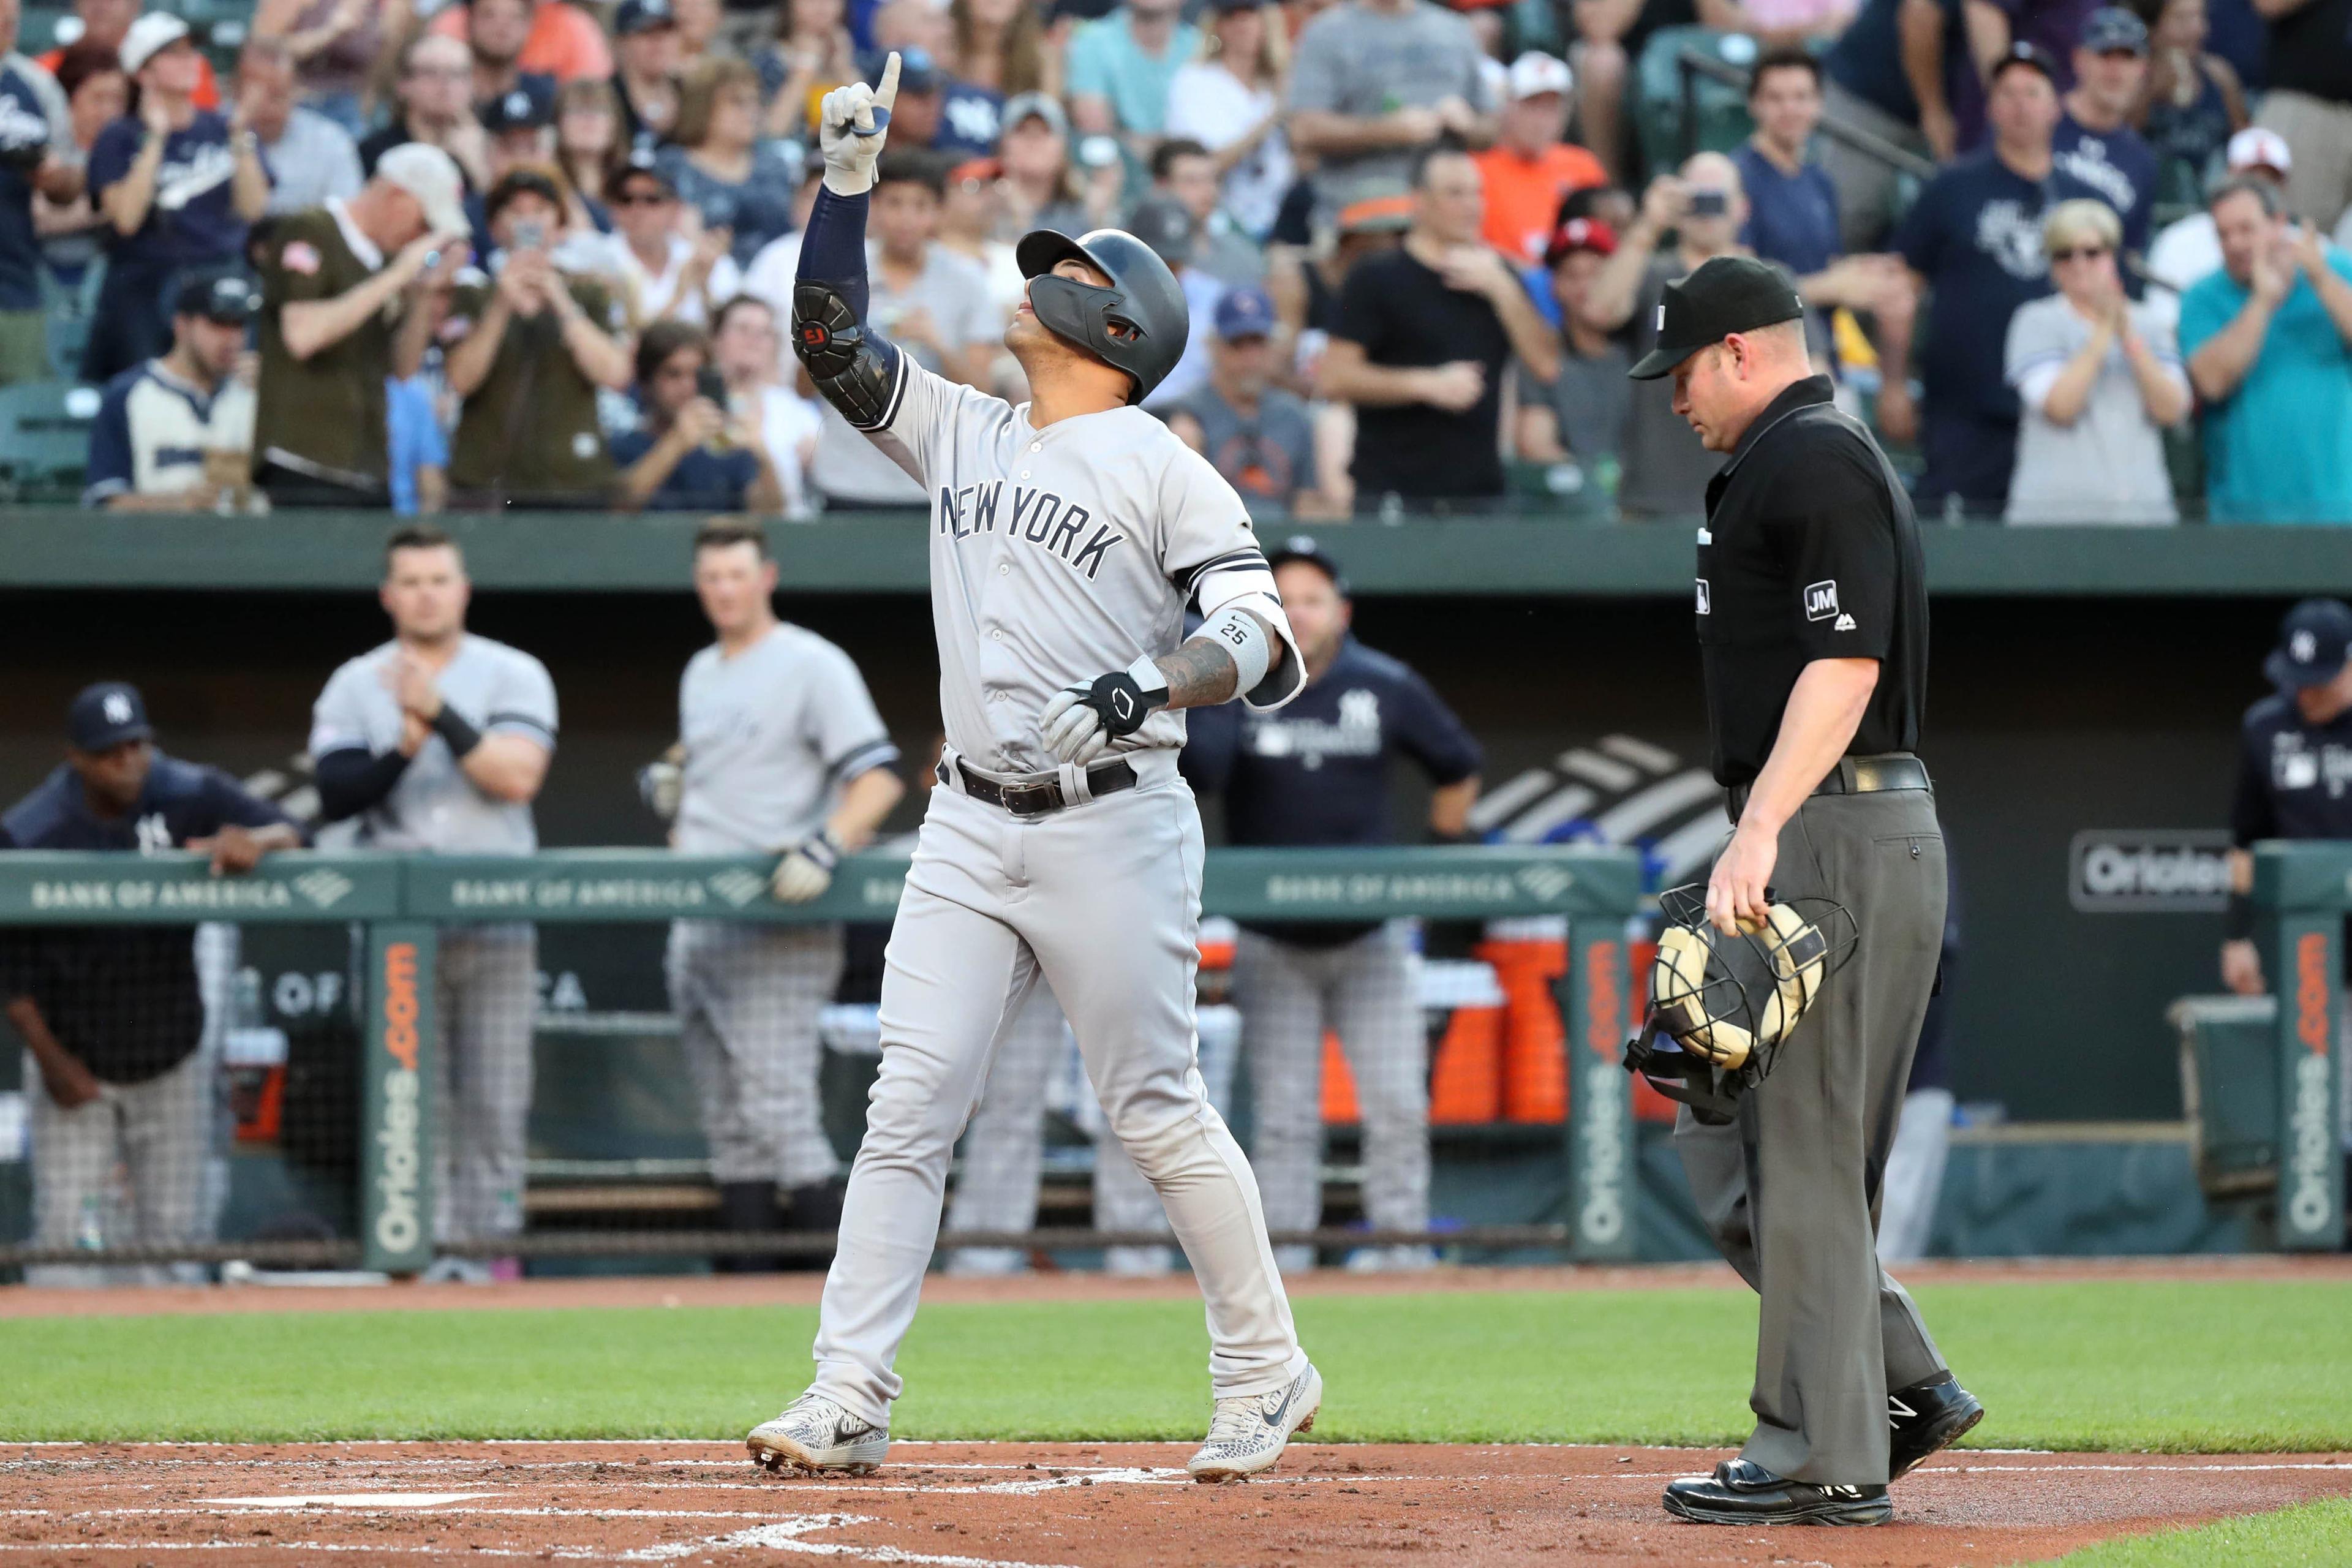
(1106, 61)
(2278, 450)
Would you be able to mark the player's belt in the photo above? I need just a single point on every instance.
(1043, 795)
(1854, 775)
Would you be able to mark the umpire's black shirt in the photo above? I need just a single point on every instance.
(1810, 552)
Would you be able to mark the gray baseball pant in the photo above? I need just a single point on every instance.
(1367, 991)
(160, 1132)
(1003, 1147)
(1789, 1189)
(486, 991)
(749, 999)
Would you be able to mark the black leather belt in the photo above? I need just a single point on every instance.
(1045, 796)
(1852, 775)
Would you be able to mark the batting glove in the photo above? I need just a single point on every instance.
(1082, 722)
(806, 870)
(662, 783)
(851, 123)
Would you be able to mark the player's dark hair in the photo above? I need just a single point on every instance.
(663, 339)
(912, 167)
(1164, 156)
(726, 532)
(1790, 56)
(1445, 146)
(416, 536)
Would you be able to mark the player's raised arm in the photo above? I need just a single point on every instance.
(859, 372)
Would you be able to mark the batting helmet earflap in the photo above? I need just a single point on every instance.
(1144, 301)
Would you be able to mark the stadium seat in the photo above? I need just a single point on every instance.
(45, 435)
(1720, 121)
(38, 30)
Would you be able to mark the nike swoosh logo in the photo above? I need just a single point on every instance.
(1274, 1419)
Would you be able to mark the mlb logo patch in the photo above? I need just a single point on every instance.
(1820, 600)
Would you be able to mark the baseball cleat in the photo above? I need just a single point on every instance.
(1744, 1492)
(817, 1436)
(1927, 1418)
(1248, 1434)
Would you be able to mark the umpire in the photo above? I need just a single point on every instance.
(1812, 631)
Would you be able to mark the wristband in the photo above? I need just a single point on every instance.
(2238, 918)
(461, 736)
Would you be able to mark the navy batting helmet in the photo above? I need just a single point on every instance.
(1144, 301)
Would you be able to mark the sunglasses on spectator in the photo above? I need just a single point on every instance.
(2086, 252)
(642, 199)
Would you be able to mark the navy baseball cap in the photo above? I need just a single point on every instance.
(2115, 31)
(1302, 547)
(2030, 56)
(225, 298)
(642, 16)
(104, 716)
(2315, 644)
(1244, 312)
(529, 105)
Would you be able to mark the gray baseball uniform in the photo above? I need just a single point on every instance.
(487, 989)
(771, 736)
(1055, 555)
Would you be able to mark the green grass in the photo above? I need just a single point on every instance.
(2181, 1367)
(2317, 1533)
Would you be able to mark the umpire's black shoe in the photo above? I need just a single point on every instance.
(1927, 1418)
(1744, 1492)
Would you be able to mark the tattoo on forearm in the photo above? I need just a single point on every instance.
(1200, 674)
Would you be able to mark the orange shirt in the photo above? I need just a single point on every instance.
(564, 43)
(1523, 194)
(207, 93)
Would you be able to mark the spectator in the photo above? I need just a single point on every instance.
(1041, 189)
(811, 55)
(666, 275)
(1121, 66)
(1306, 286)
(2309, 103)
(748, 350)
(495, 31)
(105, 24)
(2097, 379)
(176, 434)
(1532, 166)
(968, 203)
(1183, 172)
(1792, 215)
(435, 108)
(1230, 103)
(532, 345)
(331, 47)
(773, 272)
(1260, 437)
(2194, 102)
(2189, 249)
(930, 302)
(37, 157)
(1580, 412)
(2267, 341)
(588, 149)
(688, 454)
(112, 1016)
(1000, 44)
(698, 27)
(310, 157)
(418, 455)
(721, 165)
(1973, 243)
(1614, 34)
(341, 311)
(918, 114)
(565, 41)
(1164, 225)
(645, 38)
(1373, 83)
(2095, 141)
(1424, 334)
(518, 127)
(97, 95)
(178, 185)
(1886, 76)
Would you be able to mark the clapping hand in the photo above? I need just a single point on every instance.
(414, 688)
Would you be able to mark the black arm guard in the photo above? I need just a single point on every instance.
(856, 369)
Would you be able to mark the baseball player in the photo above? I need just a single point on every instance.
(779, 750)
(438, 741)
(1317, 773)
(1068, 535)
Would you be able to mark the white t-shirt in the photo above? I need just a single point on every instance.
(655, 291)
(787, 422)
(1213, 107)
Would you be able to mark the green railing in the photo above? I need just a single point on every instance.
(401, 903)
(2302, 892)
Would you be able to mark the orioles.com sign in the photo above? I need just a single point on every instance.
(1601, 1097)
(399, 1132)
(2311, 1142)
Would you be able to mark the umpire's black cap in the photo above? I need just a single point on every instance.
(1302, 547)
(1726, 294)
(2315, 644)
(104, 716)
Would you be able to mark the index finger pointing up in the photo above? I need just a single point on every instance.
(885, 92)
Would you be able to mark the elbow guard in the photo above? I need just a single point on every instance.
(857, 371)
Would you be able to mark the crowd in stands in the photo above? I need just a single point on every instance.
(2075, 263)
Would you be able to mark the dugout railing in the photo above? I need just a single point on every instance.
(395, 908)
(2302, 895)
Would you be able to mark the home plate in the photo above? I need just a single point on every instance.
(351, 1499)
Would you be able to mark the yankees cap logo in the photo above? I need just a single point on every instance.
(118, 708)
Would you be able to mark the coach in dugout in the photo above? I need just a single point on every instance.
(1317, 773)
(110, 1015)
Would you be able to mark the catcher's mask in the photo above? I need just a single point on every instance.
(1722, 1007)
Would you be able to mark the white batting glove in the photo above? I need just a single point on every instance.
(1081, 721)
(851, 124)
(806, 870)
(662, 783)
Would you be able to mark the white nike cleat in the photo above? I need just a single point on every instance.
(816, 1436)
(1249, 1435)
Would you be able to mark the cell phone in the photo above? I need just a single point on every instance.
(529, 233)
(1098, 151)
(1710, 204)
(709, 384)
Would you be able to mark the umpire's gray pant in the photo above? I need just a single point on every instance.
(158, 1132)
(748, 1000)
(487, 991)
(1790, 1190)
(1368, 992)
